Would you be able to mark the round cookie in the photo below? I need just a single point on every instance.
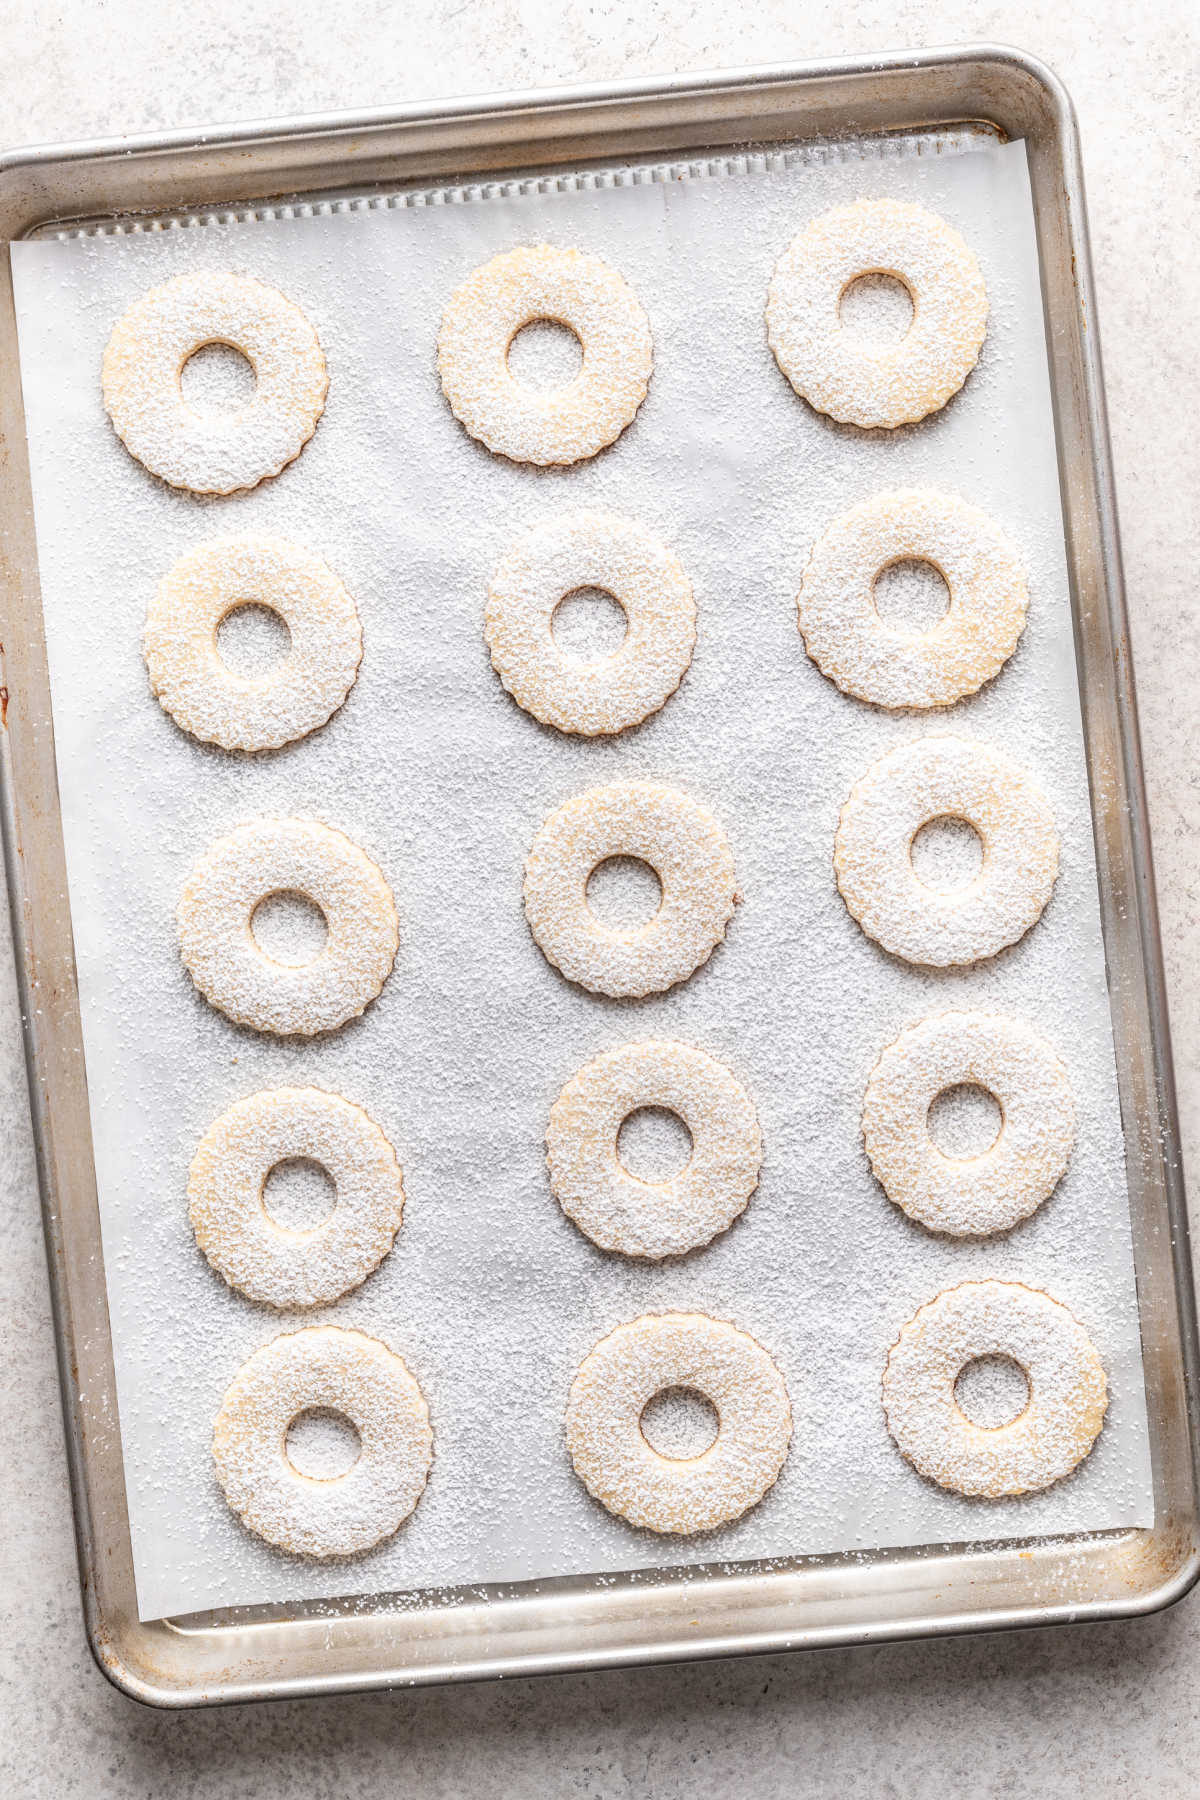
(653, 1218)
(1068, 1392)
(682, 843)
(874, 661)
(266, 1261)
(601, 550)
(261, 712)
(568, 287)
(213, 453)
(945, 777)
(346, 1372)
(969, 1196)
(869, 384)
(218, 947)
(678, 1495)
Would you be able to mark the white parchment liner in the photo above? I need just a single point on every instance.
(490, 1295)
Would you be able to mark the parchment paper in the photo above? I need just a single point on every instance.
(490, 1295)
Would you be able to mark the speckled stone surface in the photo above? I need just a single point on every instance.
(1103, 1710)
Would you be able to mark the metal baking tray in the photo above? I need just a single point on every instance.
(550, 1625)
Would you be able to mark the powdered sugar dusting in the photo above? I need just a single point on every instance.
(687, 850)
(1068, 1394)
(623, 1373)
(266, 1261)
(258, 712)
(569, 287)
(213, 453)
(969, 1196)
(849, 642)
(269, 856)
(868, 384)
(618, 556)
(348, 1373)
(490, 1294)
(931, 778)
(658, 1218)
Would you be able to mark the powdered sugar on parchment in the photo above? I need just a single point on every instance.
(491, 1295)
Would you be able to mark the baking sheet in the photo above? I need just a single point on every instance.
(491, 1295)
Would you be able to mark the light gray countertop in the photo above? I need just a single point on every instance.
(1095, 1710)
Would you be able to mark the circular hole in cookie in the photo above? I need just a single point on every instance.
(992, 1391)
(876, 310)
(680, 1423)
(289, 928)
(947, 854)
(217, 378)
(965, 1120)
(544, 355)
(623, 892)
(298, 1194)
(654, 1144)
(322, 1444)
(589, 625)
(911, 596)
(252, 640)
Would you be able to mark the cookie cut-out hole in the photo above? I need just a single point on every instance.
(588, 625)
(992, 1391)
(623, 892)
(876, 310)
(965, 1120)
(321, 1444)
(680, 1423)
(252, 640)
(947, 854)
(298, 1194)
(654, 1144)
(545, 355)
(911, 596)
(217, 379)
(289, 927)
